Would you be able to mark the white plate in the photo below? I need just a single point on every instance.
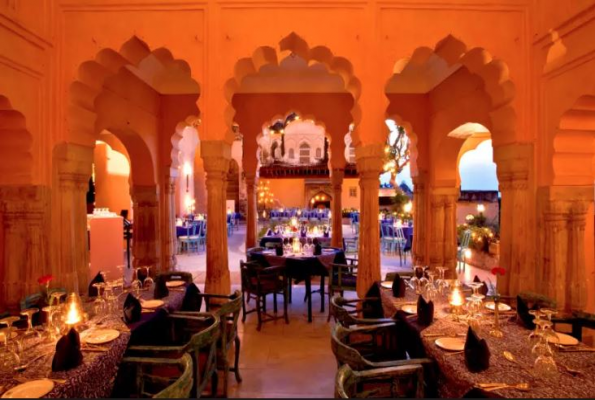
(152, 304)
(564, 339)
(490, 305)
(99, 336)
(451, 344)
(172, 284)
(387, 284)
(30, 390)
(409, 308)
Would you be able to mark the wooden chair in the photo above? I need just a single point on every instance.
(195, 334)
(351, 246)
(174, 276)
(342, 278)
(202, 236)
(400, 243)
(190, 240)
(159, 378)
(393, 382)
(346, 312)
(229, 313)
(257, 283)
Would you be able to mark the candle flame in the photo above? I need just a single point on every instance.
(73, 316)
(456, 299)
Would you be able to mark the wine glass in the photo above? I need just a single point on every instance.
(8, 356)
(430, 290)
(136, 283)
(545, 367)
(441, 283)
(99, 304)
(28, 313)
(149, 282)
(534, 336)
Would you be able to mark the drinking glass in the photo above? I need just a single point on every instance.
(28, 313)
(534, 336)
(545, 367)
(99, 305)
(136, 283)
(8, 356)
(441, 283)
(430, 290)
(148, 283)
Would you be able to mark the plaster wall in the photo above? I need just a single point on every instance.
(112, 174)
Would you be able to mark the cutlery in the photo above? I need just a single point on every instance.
(94, 349)
(454, 352)
(508, 355)
(521, 386)
(22, 367)
(570, 350)
(570, 371)
(429, 335)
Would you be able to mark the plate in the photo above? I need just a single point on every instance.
(451, 344)
(564, 339)
(387, 284)
(490, 305)
(99, 336)
(152, 304)
(173, 284)
(30, 390)
(409, 308)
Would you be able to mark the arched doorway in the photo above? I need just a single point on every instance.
(320, 201)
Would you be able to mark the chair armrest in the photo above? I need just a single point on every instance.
(398, 363)
(373, 328)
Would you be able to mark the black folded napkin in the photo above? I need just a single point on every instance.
(161, 289)
(372, 306)
(421, 272)
(326, 234)
(398, 286)
(484, 288)
(98, 279)
(317, 247)
(68, 352)
(425, 311)
(132, 309)
(192, 298)
(477, 352)
(279, 250)
(523, 317)
(269, 233)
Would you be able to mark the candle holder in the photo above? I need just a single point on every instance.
(496, 331)
(456, 302)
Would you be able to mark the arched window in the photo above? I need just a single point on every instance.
(304, 153)
(318, 153)
(291, 154)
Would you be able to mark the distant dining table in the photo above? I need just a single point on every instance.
(95, 377)
(302, 267)
(455, 380)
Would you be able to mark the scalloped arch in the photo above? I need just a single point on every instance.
(266, 55)
(494, 74)
(16, 159)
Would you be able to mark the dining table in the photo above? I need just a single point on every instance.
(302, 267)
(95, 376)
(576, 363)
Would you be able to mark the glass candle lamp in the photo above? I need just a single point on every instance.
(456, 301)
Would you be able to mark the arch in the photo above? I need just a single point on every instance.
(320, 197)
(16, 159)
(573, 145)
(493, 74)
(291, 154)
(266, 55)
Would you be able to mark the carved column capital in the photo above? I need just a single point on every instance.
(145, 196)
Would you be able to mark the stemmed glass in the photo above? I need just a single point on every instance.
(11, 334)
(149, 282)
(9, 358)
(441, 283)
(136, 284)
(28, 313)
(545, 365)
(430, 290)
(537, 314)
(99, 304)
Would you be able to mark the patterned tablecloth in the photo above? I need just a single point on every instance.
(94, 378)
(455, 380)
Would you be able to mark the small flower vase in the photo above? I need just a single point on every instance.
(496, 331)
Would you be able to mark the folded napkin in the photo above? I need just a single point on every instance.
(523, 317)
(161, 289)
(326, 234)
(372, 306)
(477, 352)
(269, 233)
(192, 298)
(132, 309)
(398, 286)
(279, 250)
(317, 247)
(68, 352)
(483, 289)
(98, 279)
(425, 311)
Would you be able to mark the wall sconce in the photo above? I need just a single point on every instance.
(187, 172)
(481, 208)
(408, 207)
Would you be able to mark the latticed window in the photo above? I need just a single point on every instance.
(318, 153)
(304, 153)
(353, 191)
(291, 154)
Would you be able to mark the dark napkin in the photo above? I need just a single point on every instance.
(68, 352)
(523, 316)
(161, 289)
(192, 298)
(98, 279)
(279, 250)
(317, 248)
(132, 309)
(477, 352)
(398, 286)
(425, 311)
(326, 234)
(269, 233)
(483, 289)
(372, 307)
(304, 233)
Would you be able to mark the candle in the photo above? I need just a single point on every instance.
(296, 247)
(456, 301)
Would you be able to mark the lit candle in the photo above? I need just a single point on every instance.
(456, 301)
(296, 247)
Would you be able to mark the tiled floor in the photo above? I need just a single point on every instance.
(284, 361)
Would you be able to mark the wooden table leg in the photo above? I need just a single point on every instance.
(309, 295)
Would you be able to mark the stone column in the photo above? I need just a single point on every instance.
(450, 231)
(419, 219)
(577, 298)
(369, 166)
(24, 212)
(146, 243)
(506, 231)
(437, 229)
(251, 210)
(216, 156)
(554, 282)
(169, 238)
(337, 176)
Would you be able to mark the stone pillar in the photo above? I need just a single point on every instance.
(337, 176)
(216, 156)
(169, 238)
(145, 240)
(450, 231)
(577, 298)
(24, 213)
(369, 160)
(437, 201)
(554, 282)
(506, 231)
(419, 220)
(251, 211)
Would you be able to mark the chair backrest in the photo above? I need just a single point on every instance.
(344, 354)
(392, 382)
(248, 273)
(339, 313)
(229, 313)
(399, 234)
(466, 238)
(175, 275)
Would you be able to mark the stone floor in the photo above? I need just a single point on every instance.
(285, 361)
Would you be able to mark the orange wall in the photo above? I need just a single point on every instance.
(288, 192)
(346, 200)
(112, 189)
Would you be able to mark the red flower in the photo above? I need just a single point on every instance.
(498, 271)
(45, 279)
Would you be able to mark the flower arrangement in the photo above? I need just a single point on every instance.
(494, 288)
(44, 285)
